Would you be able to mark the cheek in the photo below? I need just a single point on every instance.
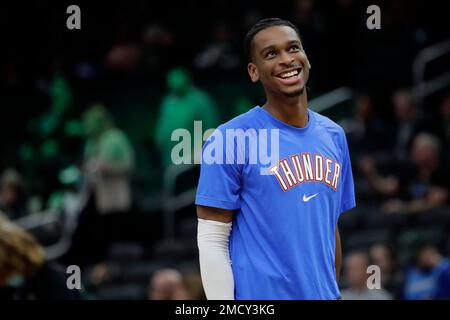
(266, 70)
(306, 71)
(303, 59)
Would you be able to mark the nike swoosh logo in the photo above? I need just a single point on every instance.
(306, 199)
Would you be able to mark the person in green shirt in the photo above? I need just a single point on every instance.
(108, 161)
(180, 107)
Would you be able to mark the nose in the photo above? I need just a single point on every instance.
(286, 58)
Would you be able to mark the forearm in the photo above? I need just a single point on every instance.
(214, 257)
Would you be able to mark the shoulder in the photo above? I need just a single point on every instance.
(327, 124)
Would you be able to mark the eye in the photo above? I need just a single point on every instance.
(270, 54)
(294, 48)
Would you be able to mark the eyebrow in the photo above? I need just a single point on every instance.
(273, 46)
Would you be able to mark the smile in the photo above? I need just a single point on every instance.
(289, 74)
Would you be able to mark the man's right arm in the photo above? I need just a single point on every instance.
(215, 214)
(214, 228)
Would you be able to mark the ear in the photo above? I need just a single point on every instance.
(253, 72)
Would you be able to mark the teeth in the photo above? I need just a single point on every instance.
(289, 74)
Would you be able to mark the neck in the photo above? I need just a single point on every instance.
(291, 110)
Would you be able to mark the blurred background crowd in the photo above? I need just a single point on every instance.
(87, 116)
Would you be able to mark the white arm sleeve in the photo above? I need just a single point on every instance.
(215, 263)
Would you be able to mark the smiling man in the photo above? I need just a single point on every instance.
(275, 235)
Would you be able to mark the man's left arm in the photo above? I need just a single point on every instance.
(338, 255)
(347, 199)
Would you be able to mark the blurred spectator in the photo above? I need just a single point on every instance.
(180, 107)
(108, 161)
(100, 274)
(106, 194)
(406, 123)
(54, 138)
(429, 277)
(12, 194)
(384, 185)
(356, 265)
(381, 255)
(50, 122)
(424, 184)
(24, 273)
(167, 284)
(194, 286)
(365, 131)
(418, 186)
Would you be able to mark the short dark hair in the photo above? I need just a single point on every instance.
(261, 25)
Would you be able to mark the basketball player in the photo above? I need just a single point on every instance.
(275, 236)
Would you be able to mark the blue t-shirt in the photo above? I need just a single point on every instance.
(282, 243)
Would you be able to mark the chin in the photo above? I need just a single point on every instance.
(294, 93)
